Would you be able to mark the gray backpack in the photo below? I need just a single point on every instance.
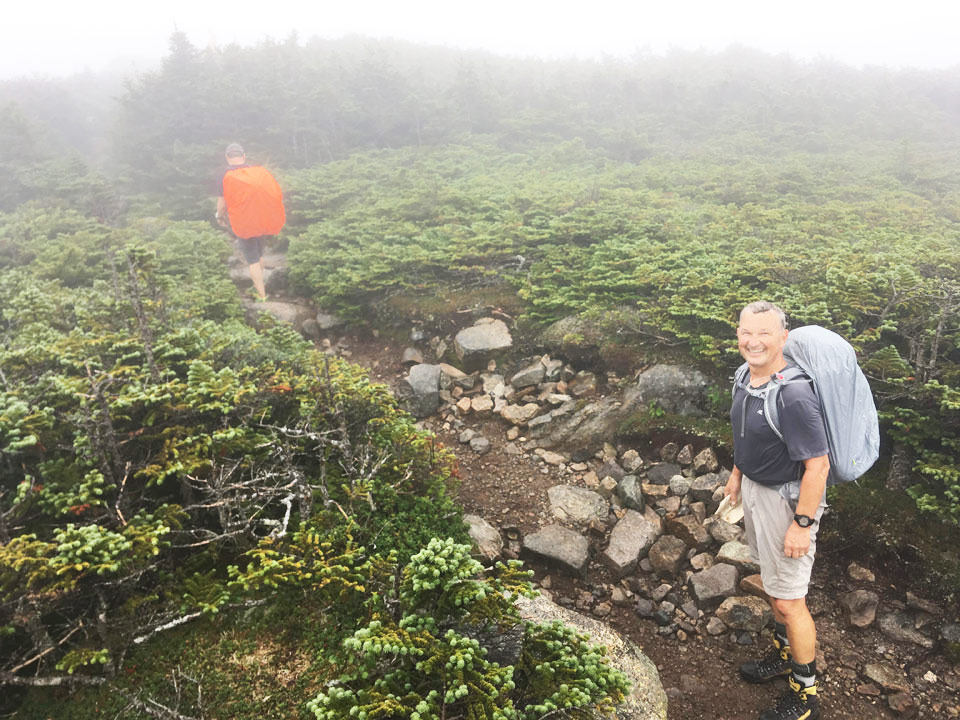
(822, 357)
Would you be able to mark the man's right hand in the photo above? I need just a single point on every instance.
(732, 488)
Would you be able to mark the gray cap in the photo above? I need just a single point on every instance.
(234, 150)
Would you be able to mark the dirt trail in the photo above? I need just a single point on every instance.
(700, 673)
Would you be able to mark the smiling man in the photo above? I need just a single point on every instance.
(781, 528)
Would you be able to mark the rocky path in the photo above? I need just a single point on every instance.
(626, 535)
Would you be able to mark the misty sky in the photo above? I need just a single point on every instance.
(62, 37)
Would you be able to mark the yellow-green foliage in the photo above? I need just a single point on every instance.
(415, 660)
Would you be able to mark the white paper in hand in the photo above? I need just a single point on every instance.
(728, 512)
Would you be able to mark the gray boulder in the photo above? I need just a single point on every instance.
(713, 584)
(419, 391)
(575, 504)
(559, 546)
(585, 427)
(487, 340)
(737, 554)
(630, 539)
(662, 473)
(485, 536)
(646, 699)
(528, 376)
(900, 626)
(327, 321)
(677, 389)
(723, 532)
(679, 485)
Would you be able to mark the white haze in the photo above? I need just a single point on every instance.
(67, 37)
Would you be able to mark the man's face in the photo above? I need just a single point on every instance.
(761, 339)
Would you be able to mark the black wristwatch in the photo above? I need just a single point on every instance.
(803, 521)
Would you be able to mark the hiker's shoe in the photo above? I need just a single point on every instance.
(774, 664)
(797, 703)
(261, 299)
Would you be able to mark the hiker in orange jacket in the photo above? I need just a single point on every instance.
(253, 204)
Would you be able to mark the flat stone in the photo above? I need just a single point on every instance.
(512, 449)
(667, 555)
(464, 404)
(654, 491)
(714, 584)
(467, 435)
(661, 473)
(578, 505)
(520, 414)
(630, 493)
(562, 547)
(745, 613)
(485, 536)
(918, 603)
(738, 555)
(888, 677)
(631, 538)
(899, 626)
(859, 607)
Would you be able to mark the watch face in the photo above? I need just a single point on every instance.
(803, 521)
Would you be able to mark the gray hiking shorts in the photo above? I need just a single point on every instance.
(766, 517)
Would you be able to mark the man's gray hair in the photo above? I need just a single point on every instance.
(762, 306)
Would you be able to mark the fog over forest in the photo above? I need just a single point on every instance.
(201, 503)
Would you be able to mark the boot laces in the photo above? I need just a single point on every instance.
(773, 662)
(793, 703)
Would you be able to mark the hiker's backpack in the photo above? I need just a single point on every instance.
(254, 202)
(822, 357)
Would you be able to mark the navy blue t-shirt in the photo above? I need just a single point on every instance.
(758, 452)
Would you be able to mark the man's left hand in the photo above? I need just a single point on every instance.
(797, 541)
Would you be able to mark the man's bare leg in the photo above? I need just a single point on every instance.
(801, 631)
(256, 274)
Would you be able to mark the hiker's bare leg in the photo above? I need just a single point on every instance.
(801, 632)
(256, 274)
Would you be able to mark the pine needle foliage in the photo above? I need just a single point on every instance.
(417, 657)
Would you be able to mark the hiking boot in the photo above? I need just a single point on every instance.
(797, 703)
(774, 664)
